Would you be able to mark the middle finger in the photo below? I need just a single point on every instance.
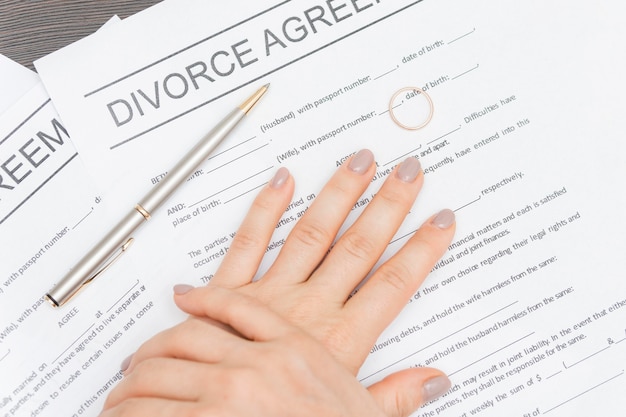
(360, 247)
(308, 242)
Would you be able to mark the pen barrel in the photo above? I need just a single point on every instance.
(95, 259)
(190, 162)
(101, 256)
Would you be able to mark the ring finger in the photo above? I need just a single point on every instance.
(360, 247)
(308, 242)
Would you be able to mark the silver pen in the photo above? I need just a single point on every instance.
(117, 241)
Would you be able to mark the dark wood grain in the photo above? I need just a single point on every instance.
(30, 29)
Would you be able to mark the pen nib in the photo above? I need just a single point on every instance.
(249, 103)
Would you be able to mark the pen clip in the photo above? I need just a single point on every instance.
(107, 264)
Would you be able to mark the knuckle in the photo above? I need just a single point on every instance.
(394, 197)
(293, 358)
(403, 403)
(340, 341)
(203, 410)
(200, 411)
(396, 275)
(427, 249)
(297, 346)
(311, 234)
(239, 382)
(127, 408)
(245, 240)
(169, 342)
(141, 377)
(179, 335)
(264, 203)
(358, 246)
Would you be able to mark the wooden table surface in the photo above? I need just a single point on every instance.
(30, 29)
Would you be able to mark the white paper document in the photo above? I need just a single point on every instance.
(49, 213)
(527, 310)
(15, 81)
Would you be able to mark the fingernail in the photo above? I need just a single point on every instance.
(126, 363)
(280, 178)
(444, 219)
(182, 289)
(409, 170)
(361, 162)
(435, 388)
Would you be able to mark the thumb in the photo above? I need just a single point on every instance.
(401, 393)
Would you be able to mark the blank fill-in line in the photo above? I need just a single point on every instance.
(387, 73)
(393, 108)
(122, 297)
(428, 143)
(74, 342)
(462, 36)
(440, 340)
(215, 155)
(83, 219)
(585, 358)
(466, 72)
(554, 374)
(470, 203)
(443, 136)
(231, 186)
(236, 158)
(5, 355)
(584, 392)
(247, 192)
(402, 156)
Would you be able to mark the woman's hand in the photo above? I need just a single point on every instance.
(313, 287)
(268, 368)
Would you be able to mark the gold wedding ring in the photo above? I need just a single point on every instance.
(417, 91)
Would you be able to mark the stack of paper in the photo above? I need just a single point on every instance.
(527, 310)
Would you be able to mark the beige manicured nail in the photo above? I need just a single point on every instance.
(126, 363)
(182, 289)
(361, 162)
(444, 219)
(435, 388)
(280, 178)
(409, 170)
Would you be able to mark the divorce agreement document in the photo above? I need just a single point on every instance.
(526, 311)
(56, 362)
(50, 211)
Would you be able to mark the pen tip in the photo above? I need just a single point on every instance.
(251, 102)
